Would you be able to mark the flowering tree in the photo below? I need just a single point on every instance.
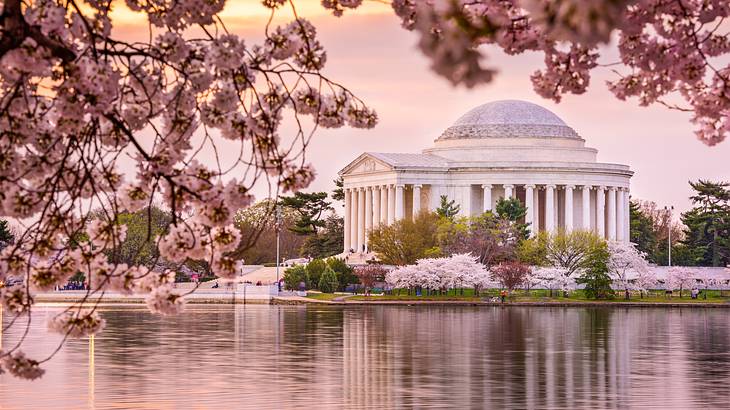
(457, 271)
(511, 274)
(668, 49)
(679, 278)
(369, 274)
(551, 277)
(625, 264)
(78, 104)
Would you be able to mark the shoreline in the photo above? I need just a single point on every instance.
(235, 299)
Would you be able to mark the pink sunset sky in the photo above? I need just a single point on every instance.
(374, 57)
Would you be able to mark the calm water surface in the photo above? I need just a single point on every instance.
(384, 357)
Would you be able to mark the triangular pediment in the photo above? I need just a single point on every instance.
(365, 164)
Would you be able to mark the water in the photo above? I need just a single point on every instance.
(384, 357)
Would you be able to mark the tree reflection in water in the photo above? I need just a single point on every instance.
(385, 357)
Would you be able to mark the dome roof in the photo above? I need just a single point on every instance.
(508, 118)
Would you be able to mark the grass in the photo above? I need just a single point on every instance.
(322, 296)
(542, 295)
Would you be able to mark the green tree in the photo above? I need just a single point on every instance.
(533, 251)
(6, 235)
(315, 268)
(257, 225)
(293, 276)
(406, 240)
(328, 281)
(140, 243)
(649, 230)
(447, 209)
(338, 194)
(595, 274)
(707, 233)
(328, 241)
(345, 274)
(511, 209)
(310, 208)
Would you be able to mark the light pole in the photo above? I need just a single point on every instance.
(278, 229)
(669, 231)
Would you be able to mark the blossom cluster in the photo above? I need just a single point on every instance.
(456, 271)
(669, 50)
(79, 103)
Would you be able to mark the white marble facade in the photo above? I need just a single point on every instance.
(500, 149)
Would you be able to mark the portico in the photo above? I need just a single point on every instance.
(504, 149)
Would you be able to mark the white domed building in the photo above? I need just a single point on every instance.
(499, 149)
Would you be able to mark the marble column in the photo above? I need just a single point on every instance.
(353, 218)
(586, 225)
(486, 197)
(508, 191)
(391, 204)
(550, 208)
(348, 219)
(361, 219)
(376, 206)
(627, 215)
(611, 214)
(601, 211)
(416, 200)
(466, 200)
(434, 198)
(620, 214)
(368, 214)
(384, 204)
(399, 202)
(568, 210)
(536, 214)
(529, 204)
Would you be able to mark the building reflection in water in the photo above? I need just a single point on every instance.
(380, 357)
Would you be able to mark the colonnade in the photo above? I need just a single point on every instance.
(602, 209)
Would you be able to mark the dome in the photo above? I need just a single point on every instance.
(508, 119)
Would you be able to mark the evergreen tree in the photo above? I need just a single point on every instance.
(328, 281)
(338, 194)
(6, 235)
(329, 240)
(642, 231)
(512, 210)
(310, 207)
(447, 209)
(707, 233)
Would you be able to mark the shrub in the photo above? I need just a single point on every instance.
(293, 276)
(314, 269)
(328, 281)
(345, 274)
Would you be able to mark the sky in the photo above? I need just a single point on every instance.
(375, 58)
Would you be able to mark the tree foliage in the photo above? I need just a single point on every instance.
(511, 274)
(447, 209)
(257, 227)
(143, 229)
(310, 208)
(328, 241)
(707, 233)
(595, 275)
(328, 282)
(406, 240)
(489, 238)
(511, 209)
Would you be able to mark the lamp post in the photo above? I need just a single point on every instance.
(669, 232)
(278, 230)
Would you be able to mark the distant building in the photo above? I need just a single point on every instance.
(500, 149)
